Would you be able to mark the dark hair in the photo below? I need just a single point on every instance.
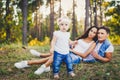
(105, 28)
(85, 35)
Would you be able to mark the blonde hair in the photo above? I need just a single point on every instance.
(63, 19)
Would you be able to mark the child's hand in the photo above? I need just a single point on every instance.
(75, 42)
(51, 50)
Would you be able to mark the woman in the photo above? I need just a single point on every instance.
(86, 44)
(88, 39)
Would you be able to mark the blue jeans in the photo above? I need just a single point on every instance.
(75, 58)
(89, 61)
(58, 59)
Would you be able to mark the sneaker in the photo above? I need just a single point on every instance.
(56, 76)
(21, 64)
(47, 69)
(35, 53)
(72, 74)
(40, 70)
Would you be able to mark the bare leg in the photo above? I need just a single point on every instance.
(45, 67)
(43, 55)
(40, 61)
(49, 61)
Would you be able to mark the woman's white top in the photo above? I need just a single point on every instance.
(62, 43)
(82, 46)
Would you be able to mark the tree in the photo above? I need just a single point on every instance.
(95, 12)
(113, 15)
(60, 9)
(7, 17)
(74, 30)
(24, 28)
(51, 18)
(87, 15)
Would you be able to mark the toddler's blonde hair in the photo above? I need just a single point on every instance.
(63, 19)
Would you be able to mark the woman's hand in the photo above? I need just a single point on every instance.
(71, 50)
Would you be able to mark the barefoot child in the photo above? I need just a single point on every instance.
(60, 47)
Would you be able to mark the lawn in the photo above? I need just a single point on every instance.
(9, 54)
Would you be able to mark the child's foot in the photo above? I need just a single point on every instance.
(34, 52)
(21, 64)
(42, 69)
(72, 74)
(56, 76)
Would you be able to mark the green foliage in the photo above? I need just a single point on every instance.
(115, 39)
(113, 21)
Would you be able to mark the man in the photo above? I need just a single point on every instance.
(104, 49)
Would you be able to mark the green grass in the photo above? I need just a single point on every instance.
(9, 54)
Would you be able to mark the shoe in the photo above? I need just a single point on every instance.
(56, 76)
(21, 64)
(35, 53)
(40, 70)
(72, 74)
(47, 69)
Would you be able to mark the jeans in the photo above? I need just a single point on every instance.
(75, 58)
(58, 59)
(89, 61)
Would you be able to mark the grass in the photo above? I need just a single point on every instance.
(9, 54)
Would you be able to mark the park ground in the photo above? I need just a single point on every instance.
(9, 54)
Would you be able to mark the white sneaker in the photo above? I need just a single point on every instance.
(21, 64)
(47, 69)
(35, 53)
(40, 70)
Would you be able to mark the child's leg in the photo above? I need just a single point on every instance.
(69, 65)
(57, 59)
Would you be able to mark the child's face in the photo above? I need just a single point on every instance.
(64, 27)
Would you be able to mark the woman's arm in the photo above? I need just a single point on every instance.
(83, 55)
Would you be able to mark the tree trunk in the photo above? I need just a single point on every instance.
(95, 13)
(51, 18)
(87, 15)
(8, 32)
(60, 9)
(24, 28)
(74, 30)
(101, 13)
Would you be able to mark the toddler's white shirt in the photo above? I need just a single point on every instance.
(62, 43)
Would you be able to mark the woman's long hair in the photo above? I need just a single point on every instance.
(85, 35)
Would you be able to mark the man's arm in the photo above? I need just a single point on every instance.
(107, 58)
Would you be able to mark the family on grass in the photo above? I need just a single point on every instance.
(92, 46)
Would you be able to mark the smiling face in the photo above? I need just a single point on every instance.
(92, 33)
(102, 35)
